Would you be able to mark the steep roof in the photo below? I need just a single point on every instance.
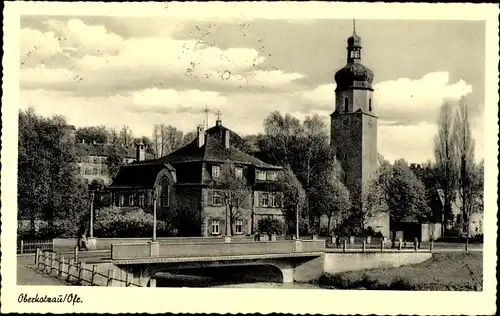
(141, 175)
(106, 150)
(214, 150)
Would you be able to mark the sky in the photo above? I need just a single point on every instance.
(141, 71)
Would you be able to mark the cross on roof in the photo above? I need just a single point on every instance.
(219, 114)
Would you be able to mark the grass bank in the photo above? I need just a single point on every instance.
(458, 271)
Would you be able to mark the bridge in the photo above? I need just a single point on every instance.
(295, 259)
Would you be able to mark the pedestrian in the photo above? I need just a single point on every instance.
(82, 239)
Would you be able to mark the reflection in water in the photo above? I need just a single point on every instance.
(227, 277)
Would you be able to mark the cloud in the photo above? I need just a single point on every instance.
(413, 101)
(107, 62)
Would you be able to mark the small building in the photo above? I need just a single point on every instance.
(92, 159)
(185, 182)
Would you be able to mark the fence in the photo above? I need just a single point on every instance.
(380, 246)
(32, 245)
(79, 273)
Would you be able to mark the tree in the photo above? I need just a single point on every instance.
(373, 204)
(403, 194)
(113, 163)
(113, 137)
(329, 196)
(188, 138)
(166, 139)
(125, 136)
(90, 134)
(148, 144)
(470, 177)
(48, 185)
(294, 197)
(235, 192)
(445, 152)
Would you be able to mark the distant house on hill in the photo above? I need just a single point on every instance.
(92, 159)
(186, 185)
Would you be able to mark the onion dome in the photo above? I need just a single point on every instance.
(354, 75)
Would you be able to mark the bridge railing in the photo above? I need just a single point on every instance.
(157, 249)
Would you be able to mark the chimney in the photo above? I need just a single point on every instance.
(227, 135)
(83, 141)
(218, 122)
(200, 136)
(140, 152)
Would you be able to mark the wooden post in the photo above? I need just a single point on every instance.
(94, 271)
(400, 244)
(415, 244)
(60, 271)
(432, 245)
(53, 261)
(344, 245)
(76, 254)
(111, 277)
(127, 279)
(382, 245)
(70, 268)
(22, 244)
(81, 273)
(40, 259)
(364, 246)
(37, 257)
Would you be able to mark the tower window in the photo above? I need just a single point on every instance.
(346, 105)
(369, 104)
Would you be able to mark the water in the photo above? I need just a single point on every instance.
(228, 277)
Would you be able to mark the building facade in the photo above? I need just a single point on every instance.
(354, 125)
(187, 182)
(92, 159)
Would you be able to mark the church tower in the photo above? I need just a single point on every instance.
(354, 121)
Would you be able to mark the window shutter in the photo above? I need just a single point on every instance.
(209, 197)
(209, 228)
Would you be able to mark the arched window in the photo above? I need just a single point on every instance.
(164, 193)
(346, 105)
(369, 104)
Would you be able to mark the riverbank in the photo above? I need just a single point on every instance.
(454, 271)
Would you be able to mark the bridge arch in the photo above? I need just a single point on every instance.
(245, 272)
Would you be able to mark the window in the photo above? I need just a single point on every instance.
(95, 171)
(275, 200)
(238, 227)
(216, 198)
(369, 104)
(165, 192)
(141, 199)
(346, 105)
(95, 160)
(122, 199)
(215, 171)
(272, 175)
(131, 200)
(264, 199)
(261, 175)
(215, 227)
(238, 172)
(88, 171)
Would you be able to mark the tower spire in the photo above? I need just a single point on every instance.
(354, 26)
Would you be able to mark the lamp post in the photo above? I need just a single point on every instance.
(92, 195)
(154, 214)
(297, 219)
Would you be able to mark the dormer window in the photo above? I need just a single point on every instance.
(238, 172)
(215, 171)
(272, 176)
(261, 175)
(346, 105)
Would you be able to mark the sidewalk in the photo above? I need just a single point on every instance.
(28, 275)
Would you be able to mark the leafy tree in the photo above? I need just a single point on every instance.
(403, 194)
(113, 163)
(294, 197)
(270, 226)
(470, 179)
(113, 137)
(445, 152)
(187, 138)
(48, 185)
(166, 139)
(90, 134)
(235, 193)
(329, 196)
